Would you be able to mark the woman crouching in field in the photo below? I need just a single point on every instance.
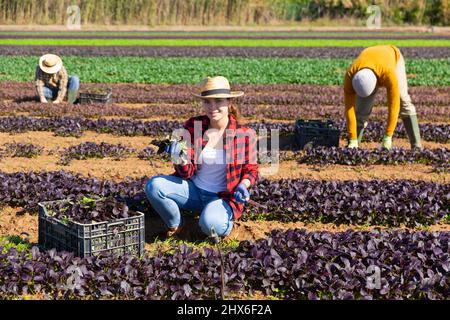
(215, 165)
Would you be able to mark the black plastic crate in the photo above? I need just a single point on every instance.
(121, 236)
(315, 133)
(92, 97)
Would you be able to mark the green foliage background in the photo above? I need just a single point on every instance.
(221, 12)
(238, 70)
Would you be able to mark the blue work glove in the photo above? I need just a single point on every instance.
(174, 148)
(241, 194)
(177, 151)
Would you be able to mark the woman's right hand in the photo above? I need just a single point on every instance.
(352, 143)
(174, 148)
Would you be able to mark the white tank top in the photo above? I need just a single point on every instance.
(211, 172)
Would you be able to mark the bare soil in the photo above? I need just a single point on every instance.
(293, 170)
(14, 222)
(49, 141)
(333, 26)
(133, 167)
(100, 168)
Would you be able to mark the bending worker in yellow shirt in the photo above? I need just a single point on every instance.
(379, 66)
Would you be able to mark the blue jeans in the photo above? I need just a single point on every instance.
(73, 83)
(168, 194)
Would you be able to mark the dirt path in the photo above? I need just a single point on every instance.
(99, 168)
(293, 170)
(271, 28)
(26, 225)
(134, 167)
(48, 140)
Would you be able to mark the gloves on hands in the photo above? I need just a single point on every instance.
(386, 143)
(352, 143)
(174, 148)
(177, 150)
(241, 194)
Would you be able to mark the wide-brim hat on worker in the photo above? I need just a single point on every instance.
(217, 87)
(50, 63)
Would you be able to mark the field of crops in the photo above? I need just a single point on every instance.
(328, 215)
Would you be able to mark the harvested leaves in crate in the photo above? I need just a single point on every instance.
(89, 209)
(96, 91)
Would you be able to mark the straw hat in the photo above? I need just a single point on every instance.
(50, 63)
(217, 87)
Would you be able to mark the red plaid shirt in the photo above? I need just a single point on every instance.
(243, 149)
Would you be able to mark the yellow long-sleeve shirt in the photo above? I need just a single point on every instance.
(382, 60)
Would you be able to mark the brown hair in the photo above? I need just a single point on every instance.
(234, 111)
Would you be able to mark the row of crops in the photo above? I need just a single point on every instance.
(212, 51)
(285, 95)
(229, 42)
(439, 157)
(373, 202)
(285, 76)
(193, 70)
(74, 126)
(293, 264)
(277, 111)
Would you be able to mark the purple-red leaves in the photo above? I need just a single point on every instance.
(375, 202)
(293, 264)
(345, 156)
(87, 209)
(24, 150)
(131, 127)
(94, 150)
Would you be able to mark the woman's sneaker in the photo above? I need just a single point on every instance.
(173, 231)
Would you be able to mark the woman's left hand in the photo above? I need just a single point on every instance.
(241, 194)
